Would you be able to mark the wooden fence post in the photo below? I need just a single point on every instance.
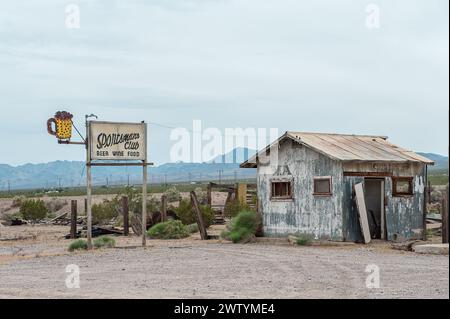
(125, 212)
(73, 219)
(163, 208)
(428, 192)
(85, 206)
(200, 222)
(242, 193)
(209, 195)
(444, 214)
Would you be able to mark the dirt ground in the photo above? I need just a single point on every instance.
(35, 267)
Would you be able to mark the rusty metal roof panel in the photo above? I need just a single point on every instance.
(347, 147)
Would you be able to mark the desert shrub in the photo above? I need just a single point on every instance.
(104, 241)
(55, 205)
(187, 214)
(242, 227)
(234, 207)
(173, 229)
(192, 228)
(304, 239)
(104, 212)
(33, 210)
(79, 244)
(172, 194)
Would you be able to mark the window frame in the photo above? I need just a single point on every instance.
(329, 179)
(396, 179)
(288, 198)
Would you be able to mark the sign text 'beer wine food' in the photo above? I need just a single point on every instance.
(118, 141)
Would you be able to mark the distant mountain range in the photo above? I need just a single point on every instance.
(72, 173)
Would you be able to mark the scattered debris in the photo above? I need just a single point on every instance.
(16, 238)
(60, 220)
(407, 245)
(97, 231)
(434, 249)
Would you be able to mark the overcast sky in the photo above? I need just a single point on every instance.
(286, 64)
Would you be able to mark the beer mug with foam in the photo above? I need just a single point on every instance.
(63, 125)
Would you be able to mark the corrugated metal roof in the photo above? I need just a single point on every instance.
(345, 147)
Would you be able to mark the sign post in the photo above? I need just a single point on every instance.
(123, 142)
(89, 186)
(107, 144)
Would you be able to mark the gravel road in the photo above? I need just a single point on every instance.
(221, 270)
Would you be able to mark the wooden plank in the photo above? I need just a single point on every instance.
(444, 213)
(163, 208)
(73, 219)
(242, 193)
(362, 212)
(200, 222)
(125, 212)
(63, 215)
(368, 174)
(434, 226)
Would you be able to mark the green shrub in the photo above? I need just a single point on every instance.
(243, 227)
(104, 212)
(192, 228)
(173, 229)
(79, 244)
(187, 214)
(104, 241)
(304, 239)
(33, 210)
(234, 207)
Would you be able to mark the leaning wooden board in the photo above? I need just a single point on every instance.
(362, 212)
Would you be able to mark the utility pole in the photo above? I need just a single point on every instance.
(235, 177)
(9, 186)
(220, 175)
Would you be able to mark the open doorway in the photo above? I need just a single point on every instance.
(374, 198)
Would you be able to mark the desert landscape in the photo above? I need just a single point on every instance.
(33, 261)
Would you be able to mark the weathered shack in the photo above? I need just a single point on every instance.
(306, 184)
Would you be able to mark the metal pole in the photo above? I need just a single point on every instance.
(144, 192)
(89, 187)
(144, 205)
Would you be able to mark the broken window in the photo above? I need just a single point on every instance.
(322, 185)
(281, 190)
(402, 186)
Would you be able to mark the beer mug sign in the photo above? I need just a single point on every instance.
(63, 125)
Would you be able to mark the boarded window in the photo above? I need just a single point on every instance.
(322, 186)
(281, 190)
(402, 186)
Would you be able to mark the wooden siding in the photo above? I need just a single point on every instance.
(320, 216)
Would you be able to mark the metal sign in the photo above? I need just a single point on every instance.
(118, 141)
